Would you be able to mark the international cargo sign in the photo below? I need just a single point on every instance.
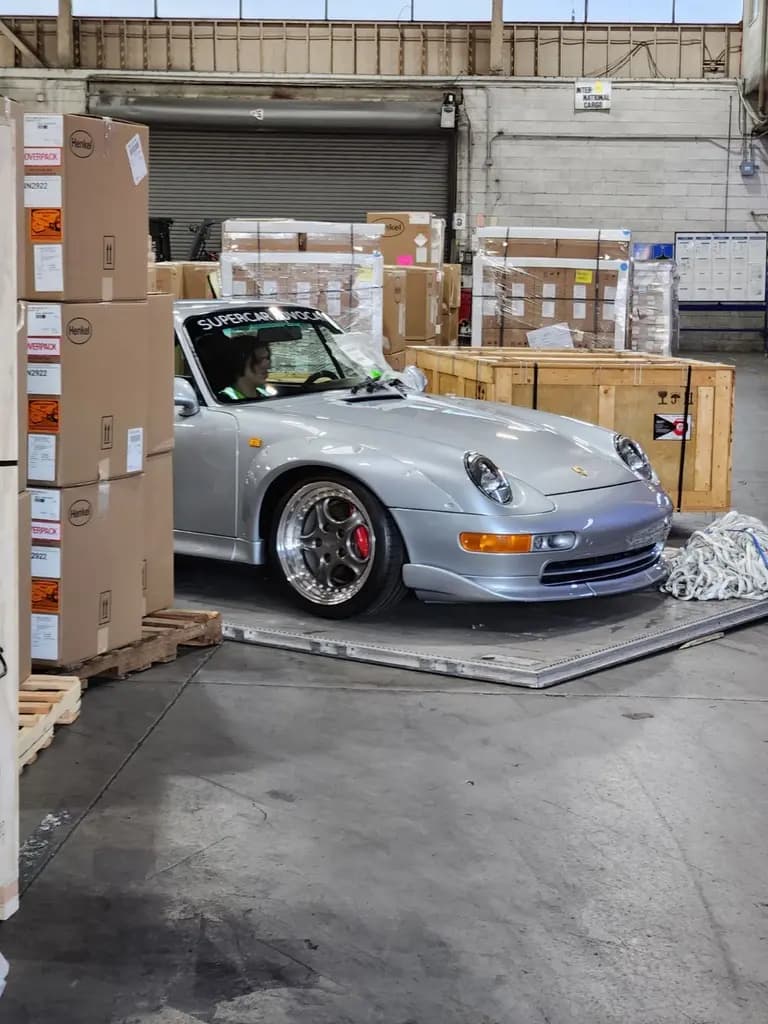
(592, 94)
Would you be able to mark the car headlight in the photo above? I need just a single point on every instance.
(633, 456)
(487, 477)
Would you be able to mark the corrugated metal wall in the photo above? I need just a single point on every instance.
(198, 174)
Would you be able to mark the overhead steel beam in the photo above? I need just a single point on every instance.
(20, 45)
(65, 45)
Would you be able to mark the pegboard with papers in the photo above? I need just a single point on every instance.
(722, 266)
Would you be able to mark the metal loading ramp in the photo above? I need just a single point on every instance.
(519, 645)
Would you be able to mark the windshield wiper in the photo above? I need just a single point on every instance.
(376, 387)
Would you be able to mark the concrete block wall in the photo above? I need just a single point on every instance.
(657, 163)
(50, 92)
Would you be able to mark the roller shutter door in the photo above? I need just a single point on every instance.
(205, 173)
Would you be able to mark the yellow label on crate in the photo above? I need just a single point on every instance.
(584, 277)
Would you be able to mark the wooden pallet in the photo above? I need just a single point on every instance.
(44, 703)
(162, 634)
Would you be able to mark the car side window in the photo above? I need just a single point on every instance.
(181, 368)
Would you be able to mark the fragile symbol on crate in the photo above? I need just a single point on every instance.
(669, 427)
(673, 398)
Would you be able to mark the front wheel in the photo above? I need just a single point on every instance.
(338, 549)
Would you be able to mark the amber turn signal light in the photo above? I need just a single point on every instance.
(497, 543)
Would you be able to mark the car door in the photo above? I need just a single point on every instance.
(205, 469)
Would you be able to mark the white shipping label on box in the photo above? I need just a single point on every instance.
(556, 336)
(421, 255)
(401, 319)
(43, 130)
(44, 378)
(45, 637)
(136, 159)
(46, 504)
(134, 462)
(42, 190)
(42, 156)
(41, 457)
(548, 305)
(49, 268)
(517, 305)
(609, 300)
(420, 218)
(579, 302)
(44, 320)
(46, 562)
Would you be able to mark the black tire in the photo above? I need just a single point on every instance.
(382, 588)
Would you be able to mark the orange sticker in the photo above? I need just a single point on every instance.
(43, 416)
(45, 596)
(45, 225)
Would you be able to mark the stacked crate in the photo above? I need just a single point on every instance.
(333, 267)
(551, 288)
(99, 360)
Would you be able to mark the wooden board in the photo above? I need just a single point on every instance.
(45, 702)
(162, 635)
(622, 391)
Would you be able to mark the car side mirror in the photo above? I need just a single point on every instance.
(184, 397)
(415, 378)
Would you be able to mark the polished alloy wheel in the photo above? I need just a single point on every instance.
(325, 543)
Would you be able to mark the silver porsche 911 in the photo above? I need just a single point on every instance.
(358, 488)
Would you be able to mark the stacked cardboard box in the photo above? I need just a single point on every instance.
(99, 359)
(334, 267)
(410, 239)
(551, 288)
(655, 308)
(184, 280)
(449, 324)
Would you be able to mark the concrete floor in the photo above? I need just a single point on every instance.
(255, 837)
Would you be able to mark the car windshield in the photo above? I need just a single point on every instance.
(249, 355)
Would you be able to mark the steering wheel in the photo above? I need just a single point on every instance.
(313, 378)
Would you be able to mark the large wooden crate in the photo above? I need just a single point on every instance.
(642, 396)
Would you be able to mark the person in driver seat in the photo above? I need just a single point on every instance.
(251, 363)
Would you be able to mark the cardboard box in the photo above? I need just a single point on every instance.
(25, 586)
(157, 576)
(87, 565)
(423, 290)
(449, 334)
(451, 285)
(196, 280)
(160, 374)
(537, 248)
(408, 239)
(86, 391)
(87, 208)
(167, 278)
(395, 280)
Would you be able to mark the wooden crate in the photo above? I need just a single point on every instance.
(623, 391)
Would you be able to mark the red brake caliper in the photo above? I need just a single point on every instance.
(362, 541)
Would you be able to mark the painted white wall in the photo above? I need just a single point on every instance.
(656, 163)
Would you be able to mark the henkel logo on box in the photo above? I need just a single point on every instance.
(45, 531)
(42, 156)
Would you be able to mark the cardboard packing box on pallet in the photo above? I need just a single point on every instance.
(410, 238)
(395, 339)
(449, 324)
(86, 209)
(295, 236)
(551, 288)
(412, 297)
(157, 576)
(87, 372)
(87, 567)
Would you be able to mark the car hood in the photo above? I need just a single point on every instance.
(551, 453)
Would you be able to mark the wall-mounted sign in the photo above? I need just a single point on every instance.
(592, 94)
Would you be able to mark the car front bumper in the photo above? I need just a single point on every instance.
(620, 540)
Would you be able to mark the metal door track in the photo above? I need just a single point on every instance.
(520, 645)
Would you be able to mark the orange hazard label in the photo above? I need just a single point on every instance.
(45, 225)
(43, 416)
(45, 596)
